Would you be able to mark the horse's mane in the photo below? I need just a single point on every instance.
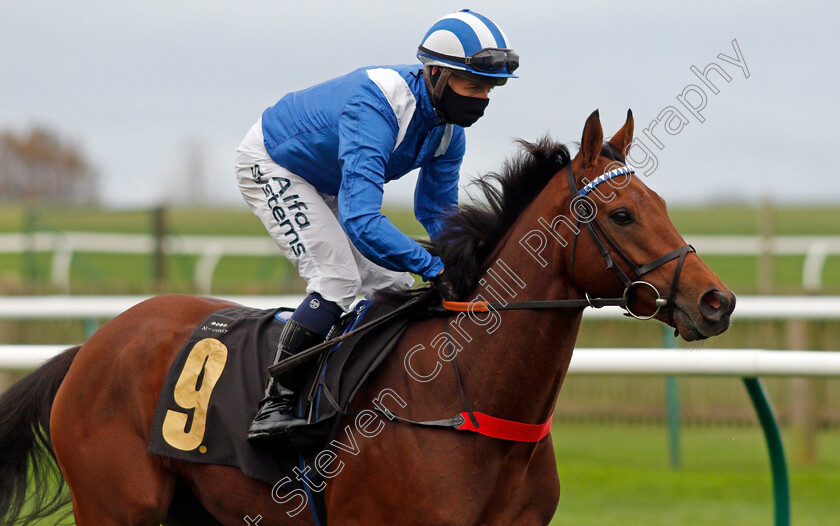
(473, 232)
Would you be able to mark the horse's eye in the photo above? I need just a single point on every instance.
(622, 216)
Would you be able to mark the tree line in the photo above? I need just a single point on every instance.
(38, 165)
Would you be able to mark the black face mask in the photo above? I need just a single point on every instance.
(460, 109)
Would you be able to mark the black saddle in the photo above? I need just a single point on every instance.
(216, 382)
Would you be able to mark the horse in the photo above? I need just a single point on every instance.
(556, 234)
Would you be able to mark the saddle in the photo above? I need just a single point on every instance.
(216, 382)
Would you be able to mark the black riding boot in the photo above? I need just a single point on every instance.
(276, 414)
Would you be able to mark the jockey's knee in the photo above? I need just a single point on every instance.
(340, 290)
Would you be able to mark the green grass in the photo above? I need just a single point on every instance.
(613, 474)
(108, 274)
(710, 220)
(134, 274)
(183, 221)
(118, 274)
(620, 474)
(743, 220)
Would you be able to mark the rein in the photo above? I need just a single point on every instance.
(499, 428)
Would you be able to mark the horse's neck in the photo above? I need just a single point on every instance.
(516, 370)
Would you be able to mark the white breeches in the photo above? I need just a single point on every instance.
(304, 224)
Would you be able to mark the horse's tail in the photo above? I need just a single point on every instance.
(27, 464)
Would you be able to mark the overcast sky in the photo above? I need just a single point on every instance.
(145, 88)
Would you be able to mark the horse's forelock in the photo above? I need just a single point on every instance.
(612, 153)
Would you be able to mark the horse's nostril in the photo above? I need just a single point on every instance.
(712, 301)
(713, 305)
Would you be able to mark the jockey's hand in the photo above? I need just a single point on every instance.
(444, 286)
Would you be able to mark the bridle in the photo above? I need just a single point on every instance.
(584, 210)
(586, 215)
(596, 231)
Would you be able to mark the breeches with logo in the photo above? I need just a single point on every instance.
(304, 224)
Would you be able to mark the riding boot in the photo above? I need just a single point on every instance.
(276, 413)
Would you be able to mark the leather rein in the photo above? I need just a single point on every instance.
(469, 420)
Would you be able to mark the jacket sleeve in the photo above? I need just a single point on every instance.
(367, 134)
(436, 193)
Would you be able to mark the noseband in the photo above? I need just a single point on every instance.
(586, 211)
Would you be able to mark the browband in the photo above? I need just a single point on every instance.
(606, 177)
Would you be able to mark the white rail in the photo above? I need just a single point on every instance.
(705, 362)
(631, 361)
(27, 356)
(210, 250)
(79, 307)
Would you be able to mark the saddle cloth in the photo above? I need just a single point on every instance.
(216, 382)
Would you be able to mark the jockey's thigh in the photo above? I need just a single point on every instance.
(299, 221)
(374, 277)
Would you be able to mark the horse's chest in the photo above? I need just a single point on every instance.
(448, 480)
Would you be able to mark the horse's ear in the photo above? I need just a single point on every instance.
(593, 138)
(624, 136)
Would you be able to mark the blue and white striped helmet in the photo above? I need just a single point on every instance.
(468, 41)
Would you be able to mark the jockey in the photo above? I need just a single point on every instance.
(312, 169)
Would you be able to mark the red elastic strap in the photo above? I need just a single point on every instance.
(506, 429)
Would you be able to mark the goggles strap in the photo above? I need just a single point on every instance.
(442, 80)
(427, 77)
(435, 87)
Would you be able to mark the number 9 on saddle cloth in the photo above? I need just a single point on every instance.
(217, 380)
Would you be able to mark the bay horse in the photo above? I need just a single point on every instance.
(90, 409)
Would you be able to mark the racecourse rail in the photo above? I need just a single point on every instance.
(211, 249)
(748, 364)
(81, 307)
